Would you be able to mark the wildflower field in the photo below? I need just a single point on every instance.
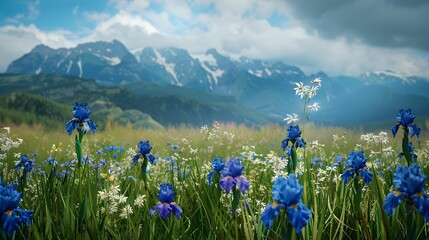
(291, 181)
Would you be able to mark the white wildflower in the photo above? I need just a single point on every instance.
(121, 198)
(312, 91)
(388, 151)
(193, 151)
(317, 82)
(300, 89)
(314, 107)
(103, 195)
(140, 200)
(126, 211)
(113, 208)
(204, 129)
(291, 119)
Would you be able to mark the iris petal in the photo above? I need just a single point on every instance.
(176, 210)
(271, 211)
(298, 216)
(392, 201)
(227, 183)
(242, 184)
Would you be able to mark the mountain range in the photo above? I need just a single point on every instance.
(253, 85)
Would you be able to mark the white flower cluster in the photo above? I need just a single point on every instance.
(309, 91)
(320, 182)
(7, 143)
(372, 138)
(111, 200)
(278, 164)
(337, 140)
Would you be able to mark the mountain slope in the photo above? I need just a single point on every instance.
(164, 108)
(262, 87)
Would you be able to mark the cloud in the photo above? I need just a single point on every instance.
(130, 5)
(132, 30)
(33, 9)
(15, 19)
(242, 28)
(22, 39)
(399, 24)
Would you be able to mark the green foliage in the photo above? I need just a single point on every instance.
(166, 106)
(92, 203)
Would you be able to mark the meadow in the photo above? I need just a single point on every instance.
(106, 197)
(223, 181)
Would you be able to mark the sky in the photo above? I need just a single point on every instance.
(338, 37)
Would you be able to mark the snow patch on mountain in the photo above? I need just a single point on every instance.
(113, 60)
(389, 74)
(214, 73)
(79, 64)
(169, 67)
(60, 62)
(207, 59)
(69, 66)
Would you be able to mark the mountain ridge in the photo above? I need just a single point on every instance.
(264, 86)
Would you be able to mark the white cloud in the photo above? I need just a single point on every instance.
(130, 5)
(15, 19)
(130, 29)
(225, 29)
(22, 39)
(96, 16)
(33, 9)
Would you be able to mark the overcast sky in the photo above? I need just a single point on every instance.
(339, 37)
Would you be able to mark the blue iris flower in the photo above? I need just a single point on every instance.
(12, 215)
(144, 148)
(166, 204)
(405, 118)
(409, 183)
(81, 120)
(411, 149)
(287, 194)
(217, 166)
(293, 134)
(356, 165)
(316, 161)
(25, 163)
(232, 176)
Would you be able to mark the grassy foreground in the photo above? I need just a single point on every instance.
(106, 198)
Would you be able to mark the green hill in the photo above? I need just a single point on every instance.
(139, 105)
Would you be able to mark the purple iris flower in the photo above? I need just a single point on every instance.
(356, 164)
(166, 204)
(405, 118)
(287, 194)
(409, 183)
(232, 176)
(81, 120)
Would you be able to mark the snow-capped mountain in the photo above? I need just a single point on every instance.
(263, 85)
(90, 60)
(111, 63)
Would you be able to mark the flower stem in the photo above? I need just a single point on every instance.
(143, 171)
(405, 148)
